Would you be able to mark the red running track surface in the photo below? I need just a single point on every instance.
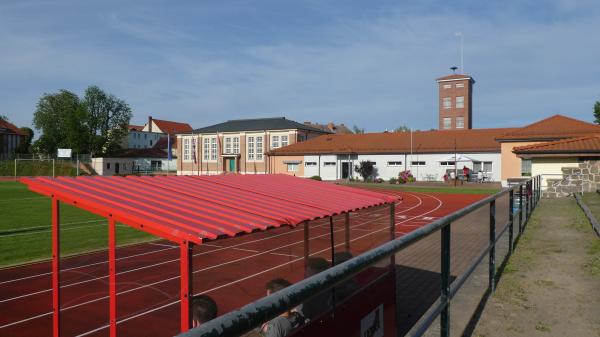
(233, 271)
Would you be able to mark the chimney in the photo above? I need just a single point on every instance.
(149, 123)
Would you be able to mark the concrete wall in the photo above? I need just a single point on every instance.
(551, 168)
(585, 177)
(107, 166)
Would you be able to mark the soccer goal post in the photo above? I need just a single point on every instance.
(32, 171)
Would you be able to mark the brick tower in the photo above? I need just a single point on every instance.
(455, 100)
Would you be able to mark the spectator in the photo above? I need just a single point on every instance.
(480, 176)
(281, 325)
(204, 309)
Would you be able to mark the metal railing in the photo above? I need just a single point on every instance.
(525, 194)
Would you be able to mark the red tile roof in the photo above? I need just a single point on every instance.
(587, 144)
(172, 127)
(552, 128)
(454, 77)
(135, 127)
(8, 128)
(476, 140)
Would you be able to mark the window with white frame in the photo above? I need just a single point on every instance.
(446, 163)
(310, 163)
(213, 148)
(284, 141)
(186, 149)
(447, 122)
(274, 142)
(460, 102)
(460, 85)
(236, 145)
(329, 163)
(447, 86)
(250, 147)
(417, 163)
(394, 163)
(460, 122)
(259, 148)
(447, 102)
(228, 144)
(292, 167)
(485, 166)
(206, 149)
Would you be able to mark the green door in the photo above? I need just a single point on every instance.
(231, 165)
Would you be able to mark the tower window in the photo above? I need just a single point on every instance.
(460, 122)
(460, 85)
(447, 86)
(447, 102)
(460, 102)
(447, 122)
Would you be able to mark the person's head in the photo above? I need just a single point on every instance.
(341, 257)
(316, 265)
(276, 285)
(204, 309)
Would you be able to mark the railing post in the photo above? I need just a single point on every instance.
(55, 267)
(186, 284)
(520, 209)
(492, 245)
(347, 230)
(511, 215)
(445, 291)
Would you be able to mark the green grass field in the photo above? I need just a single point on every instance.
(410, 188)
(25, 234)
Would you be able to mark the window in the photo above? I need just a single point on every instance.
(228, 145)
(485, 166)
(274, 142)
(447, 86)
(460, 102)
(250, 147)
(446, 163)
(301, 138)
(447, 122)
(255, 147)
(150, 142)
(417, 163)
(292, 167)
(526, 167)
(394, 163)
(310, 163)
(206, 149)
(329, 163)
(108, 166)
(186, 149)
(447, 102)
(284, 141)
(460, 122)
(460, 85)
(213, 148)
(236, 145)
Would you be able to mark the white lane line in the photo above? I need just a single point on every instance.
(245, 278)
(162, 245)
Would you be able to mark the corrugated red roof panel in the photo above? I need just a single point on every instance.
(198, 208)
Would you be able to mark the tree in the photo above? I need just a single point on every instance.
(402, 128)
(597, 112)
(3, 118)
(108, 118)
(62, 119)
(358, 130)
(25, 143)
(365, 169)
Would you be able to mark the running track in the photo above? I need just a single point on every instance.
(233, 271)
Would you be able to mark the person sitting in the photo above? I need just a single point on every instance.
(283, 324)
(204, 309)
(480, 176)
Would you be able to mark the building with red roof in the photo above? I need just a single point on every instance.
(10, 137)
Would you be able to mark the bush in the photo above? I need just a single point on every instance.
(405, 177)
(318, 178)
(393, 180)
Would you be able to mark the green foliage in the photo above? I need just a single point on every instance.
(25, 143)
(402, 128)
(97, 124)
(358, 130)
(37, 168)
(597, 112)
(316, 178)
(393, 180)
(365, 169)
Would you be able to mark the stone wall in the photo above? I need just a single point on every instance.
(584, 178)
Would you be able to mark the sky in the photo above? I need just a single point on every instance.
(367, 63)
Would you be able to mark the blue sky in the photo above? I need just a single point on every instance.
(369, 63)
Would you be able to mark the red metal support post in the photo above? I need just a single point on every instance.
(55, 267)
(186, 281)
(112, 275)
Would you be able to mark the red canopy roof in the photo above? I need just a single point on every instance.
(197, 208)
